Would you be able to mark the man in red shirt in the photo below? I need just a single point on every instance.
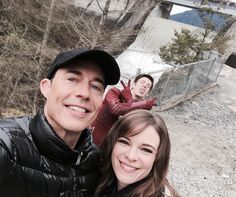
(118, 102)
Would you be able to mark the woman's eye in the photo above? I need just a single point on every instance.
(146, 150)
(123, 141)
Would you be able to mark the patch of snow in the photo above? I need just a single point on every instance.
(132, 62)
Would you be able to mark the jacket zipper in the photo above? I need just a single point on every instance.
(74, 174)
(79, 158)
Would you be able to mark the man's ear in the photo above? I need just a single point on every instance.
(45, 85)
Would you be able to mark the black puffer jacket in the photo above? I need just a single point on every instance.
(35, 162)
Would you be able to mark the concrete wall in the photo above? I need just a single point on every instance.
(142, 54)
(157, 32)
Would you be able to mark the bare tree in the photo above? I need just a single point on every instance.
(101, 23)
(42, 28)
(42, 50)
(136, 13)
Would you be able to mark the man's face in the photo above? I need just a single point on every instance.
(73, 97)
(141, 88)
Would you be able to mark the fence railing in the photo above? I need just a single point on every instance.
(183, 82)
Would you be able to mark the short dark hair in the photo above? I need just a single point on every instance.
(144, 75)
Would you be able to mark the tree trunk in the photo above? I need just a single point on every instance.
(135, 16)
(42, 51)
(101, 23)
(137, 13)
(124, 11)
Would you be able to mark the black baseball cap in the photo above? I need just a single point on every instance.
(103, 59)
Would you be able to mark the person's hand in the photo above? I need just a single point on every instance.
(126, 92)
(151, 102)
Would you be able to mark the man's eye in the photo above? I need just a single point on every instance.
(98, 88)
(71, 79)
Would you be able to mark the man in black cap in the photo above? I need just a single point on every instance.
(52, 154)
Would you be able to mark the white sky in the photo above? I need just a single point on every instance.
(178, 9)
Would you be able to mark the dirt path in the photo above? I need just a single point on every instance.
(203, 136)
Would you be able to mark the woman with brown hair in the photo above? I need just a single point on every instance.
(136, 154)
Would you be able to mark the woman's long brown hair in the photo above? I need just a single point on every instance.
(131, 124)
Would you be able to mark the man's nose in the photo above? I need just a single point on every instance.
(145, 85)
(82, 90)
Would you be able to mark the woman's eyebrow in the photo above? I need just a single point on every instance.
(150, 146)
(125, 137)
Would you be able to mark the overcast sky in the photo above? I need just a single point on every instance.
(178, 9)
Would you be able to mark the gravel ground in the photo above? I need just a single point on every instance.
(203, 136)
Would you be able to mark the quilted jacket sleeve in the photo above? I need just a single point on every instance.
(5, 157)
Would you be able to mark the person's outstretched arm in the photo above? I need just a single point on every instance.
(117, 107)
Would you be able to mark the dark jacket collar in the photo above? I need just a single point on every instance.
(52, 146)
(112, 190)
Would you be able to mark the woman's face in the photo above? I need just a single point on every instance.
(133, 157)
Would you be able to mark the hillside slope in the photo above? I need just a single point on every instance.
(203, 136)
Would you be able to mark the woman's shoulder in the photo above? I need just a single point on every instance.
(166, 192)
(169, 191)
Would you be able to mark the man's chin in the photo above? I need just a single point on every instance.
(138, 97)
(141, 95)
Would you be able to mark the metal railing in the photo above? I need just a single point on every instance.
(183, 82)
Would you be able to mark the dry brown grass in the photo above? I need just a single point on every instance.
(12, 113)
